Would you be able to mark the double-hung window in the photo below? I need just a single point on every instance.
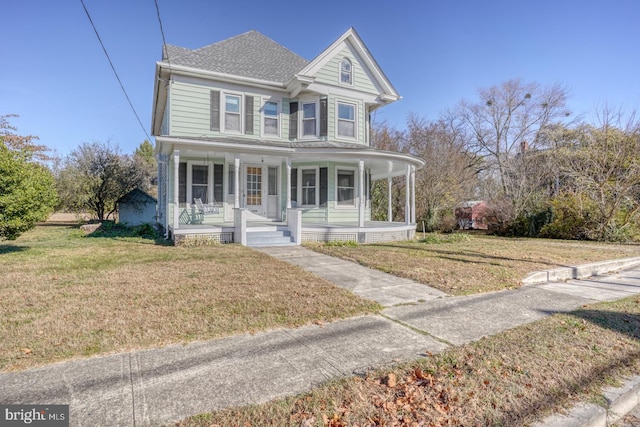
(346, 120)
(309, 119)
(345, 187)
(270, 112)
(308, 186)
(200, 182)
(232, 113)
(346, 72)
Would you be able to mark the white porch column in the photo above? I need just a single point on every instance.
(236, 171)
(413, 194)
(288, 184)
(407, 195)
(389, 201)
(176, 190)
(362, 196)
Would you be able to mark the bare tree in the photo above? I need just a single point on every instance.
(389, 139)
(450, 174)
(504, 124)
(601, 167)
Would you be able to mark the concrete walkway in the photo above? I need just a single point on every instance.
(371, 284)
(161, 386)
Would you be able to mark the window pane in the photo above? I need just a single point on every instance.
(345, 196)
(199, 192)
(273, 181)
(270, 126)
(345, 179)
(309, 127)
(199, 174)
(309, 178)
(346, 111)
(232, 180)
(218, 189)
(232, 104)
(345, 71)
(232, 122)
(309, 196)
(271, 108)
(309, 111)
(347, 129)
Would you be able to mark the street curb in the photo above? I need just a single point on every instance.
(620, 401)
(580, 271)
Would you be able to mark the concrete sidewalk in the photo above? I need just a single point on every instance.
(161, 386)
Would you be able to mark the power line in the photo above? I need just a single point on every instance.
(114, 71)
(164, 43)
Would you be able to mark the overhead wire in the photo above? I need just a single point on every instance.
(164, 43)
(104, 49)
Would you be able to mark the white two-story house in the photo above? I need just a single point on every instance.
(268, 141)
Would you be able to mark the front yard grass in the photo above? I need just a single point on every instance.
(463, 264)
(514, 378)
(64, 296)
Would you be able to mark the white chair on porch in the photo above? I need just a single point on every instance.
(203, 209)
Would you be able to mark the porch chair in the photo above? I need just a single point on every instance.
(205, 209)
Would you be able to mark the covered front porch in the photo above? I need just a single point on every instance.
(225, 191)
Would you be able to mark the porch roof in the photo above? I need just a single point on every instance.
(383, 164)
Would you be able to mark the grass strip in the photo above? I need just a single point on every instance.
(63, 295)
(463, 264)
(514, 378)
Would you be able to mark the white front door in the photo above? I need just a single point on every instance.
(253, 198)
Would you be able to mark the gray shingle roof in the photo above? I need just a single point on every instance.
(173, 52)
(250, 55)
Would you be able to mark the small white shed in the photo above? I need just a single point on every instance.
(137, 207)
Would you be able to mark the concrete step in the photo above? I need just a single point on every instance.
(268, 238)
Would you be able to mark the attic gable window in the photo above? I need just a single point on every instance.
(346, 72)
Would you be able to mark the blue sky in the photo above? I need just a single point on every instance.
(55, 75)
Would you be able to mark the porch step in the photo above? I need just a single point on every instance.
(268, 238)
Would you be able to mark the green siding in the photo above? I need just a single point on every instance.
(332, 213)
(330, 73)
(190, 112)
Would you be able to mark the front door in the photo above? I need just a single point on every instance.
(253, 189)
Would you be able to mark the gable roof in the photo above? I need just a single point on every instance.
(251, 55)
(351, 39)
(137, 196)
